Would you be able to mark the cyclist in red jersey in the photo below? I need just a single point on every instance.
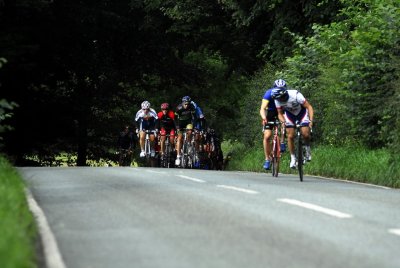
(166, 124)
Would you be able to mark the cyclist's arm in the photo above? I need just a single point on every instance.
(310, 110)
(264, 105)
(280, 115)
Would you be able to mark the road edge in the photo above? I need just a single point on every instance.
(52, 255)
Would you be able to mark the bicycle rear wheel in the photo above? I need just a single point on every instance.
(300, 157)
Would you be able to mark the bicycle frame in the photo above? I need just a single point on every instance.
(166, 161)
(276, 148)
(187, 150)
(147, 145)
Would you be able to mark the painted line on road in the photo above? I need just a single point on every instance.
(327, 211)
(247, 191)
(394, 231)
(52, 254)
(191, 179)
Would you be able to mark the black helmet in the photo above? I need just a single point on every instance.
(278, 93)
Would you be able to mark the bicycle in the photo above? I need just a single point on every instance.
(188, 151)
(147, 149)
(276, 146)
(166, 159)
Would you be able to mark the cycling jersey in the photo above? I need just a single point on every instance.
(146, 120)
(271, 102)
(191, 115)
(293, 108)
(166, 121)
(294, 103)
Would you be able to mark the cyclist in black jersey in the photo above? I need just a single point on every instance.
(187, 115)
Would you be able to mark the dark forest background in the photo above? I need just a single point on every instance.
(73, 73)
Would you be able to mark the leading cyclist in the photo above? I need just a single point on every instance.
(145, 119)
(292, 106)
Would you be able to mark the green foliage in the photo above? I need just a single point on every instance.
(17, 226)
(347, 69)
(5, 113)
(249, 130)
(6, 109)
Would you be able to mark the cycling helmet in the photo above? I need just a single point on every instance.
(278, 93)
(280, 83)
(186, 99)
(145, 105)
(164, 106)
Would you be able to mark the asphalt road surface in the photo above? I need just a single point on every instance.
(152, 217)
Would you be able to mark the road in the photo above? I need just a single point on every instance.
(151, 217)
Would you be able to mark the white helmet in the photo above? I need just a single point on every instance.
(145, 105)
(280, 83)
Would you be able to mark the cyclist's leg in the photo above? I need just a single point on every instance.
(179, 143)
(267, 142)
(162, 141)
(172, 137)
(267, 147)
(291, 133)
(152, 127)
(267, 129)
(305, 132)
(142, 136)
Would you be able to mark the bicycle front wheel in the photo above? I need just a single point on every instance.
(300, 158)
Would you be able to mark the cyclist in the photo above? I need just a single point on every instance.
(269, 113)
(292, 106)
(166, 124)
(146, 119)
(126, 143)
(188, 115)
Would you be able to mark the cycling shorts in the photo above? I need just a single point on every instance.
(147, 125)
(272, 116)
(290, 119)
(164, 131)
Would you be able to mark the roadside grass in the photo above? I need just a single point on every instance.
(18, 230)
(355, 164)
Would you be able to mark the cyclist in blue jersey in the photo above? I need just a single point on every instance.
(269, 113)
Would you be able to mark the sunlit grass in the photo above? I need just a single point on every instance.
(356, 164)
(17, 226)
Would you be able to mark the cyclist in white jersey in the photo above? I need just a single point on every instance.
(146, 119)
(292, 106)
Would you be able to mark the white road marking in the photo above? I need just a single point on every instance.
(52, 254)
(394, 231)
(327, 211)
(238, 189)
(354, 182)
(191, 179)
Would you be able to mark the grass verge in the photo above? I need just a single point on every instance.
(18, 230)
(355, 164)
